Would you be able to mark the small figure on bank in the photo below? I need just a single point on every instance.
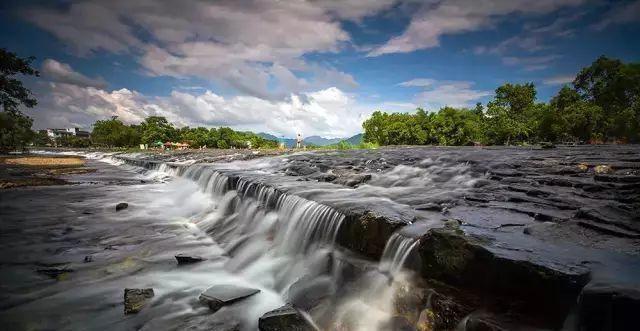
(299, 141)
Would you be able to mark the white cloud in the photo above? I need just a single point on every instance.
(456, 16)
(63, 73)
(438, 94)
(254, 46)
(421, 82)
(329, 112)
(559, 80)
(531, 63)
(621, 13)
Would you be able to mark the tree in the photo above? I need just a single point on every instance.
(157, 128)
(15, 128)
(114, 133)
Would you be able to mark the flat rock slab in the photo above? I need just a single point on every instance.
(605, 306)
(285, 318)
(136, 298)
(218, 296)
(188, 259)
(121, 206)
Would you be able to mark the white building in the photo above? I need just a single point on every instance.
(57, 133)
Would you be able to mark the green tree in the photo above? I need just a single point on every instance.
(157, 128)
(114, 133)
(15, 128)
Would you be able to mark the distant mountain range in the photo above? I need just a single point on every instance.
(313, 140)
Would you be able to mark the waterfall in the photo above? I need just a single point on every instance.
(396, 251)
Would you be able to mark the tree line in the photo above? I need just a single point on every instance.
(602, 105)
(156, 130)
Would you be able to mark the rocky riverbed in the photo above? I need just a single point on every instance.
(398, 238)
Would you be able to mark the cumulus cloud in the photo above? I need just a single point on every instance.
(254, 46)
(329, 112)
(437, 94)
(447, 17)
(63, 73)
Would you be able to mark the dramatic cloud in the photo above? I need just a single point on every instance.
(456, 16)
(253, 46)
(329, 112)
(438, 94)
(62, 73)
(621, 13)
(559, 80)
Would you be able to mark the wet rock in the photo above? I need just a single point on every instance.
(300, 170)
(367, 234)
(55, 272)
(188, 259)
(352, 180)
(550, 289)
(583, 167)
(285, 318)
(480, 324)
(602, 169)
(397, 323)
(121, 206)
(218, 296)
(88, 258)
(441, 313)
(324, 177)
(309, 292)
(608, 307)
(136, 298)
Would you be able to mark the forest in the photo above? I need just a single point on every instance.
(602, 105)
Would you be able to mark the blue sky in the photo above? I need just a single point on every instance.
(314, 67)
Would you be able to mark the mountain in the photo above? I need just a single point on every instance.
(355, 140)
(312, 140)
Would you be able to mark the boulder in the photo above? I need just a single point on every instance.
(608, 307)
(352, 180)
(136, 298)
(121, 206)
(218, 296)
(188, 259)
(442, 313)
(285, 318)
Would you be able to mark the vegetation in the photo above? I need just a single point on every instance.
(15, 127)
(602, 105)
(157, 130)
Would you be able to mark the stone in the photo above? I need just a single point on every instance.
(442, 313)
(608, 307)
(218, 296)
(602, 169)
(353, 180)
(88, 258)
(55, 272)
(309, 292)
(121, 206)
(136, 298)
(285, 318)
(188, 259)
(480, 324)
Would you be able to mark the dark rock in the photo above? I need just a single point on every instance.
(54, 272)
(218, 296)
(367, 233)
(121, 206)
(549, 290)
(308, 292)
(481, 324)
(608, 307)
(352, 180)
(88, 258)
(188, 259)
(136, 298)
(285, 318)
(442, 313)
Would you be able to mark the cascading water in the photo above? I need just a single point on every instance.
(396, 251)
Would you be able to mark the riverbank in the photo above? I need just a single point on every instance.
(33, 170)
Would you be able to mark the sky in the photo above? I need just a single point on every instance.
(309, 67)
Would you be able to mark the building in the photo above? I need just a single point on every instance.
(57, 133)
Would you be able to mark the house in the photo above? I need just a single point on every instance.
(57, 133)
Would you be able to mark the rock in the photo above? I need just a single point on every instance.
(396, 323)
(602, 169)
(352, 180)
(218, 296)
(188, 259)
(583, 167)
(121, 206)
(55, 272)
(309, 292)
(608, 307)
(285, 318)
(441, 313)
(88, 258)
(480, 324)
(550, 286)
(547, 145)
(135, 299)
